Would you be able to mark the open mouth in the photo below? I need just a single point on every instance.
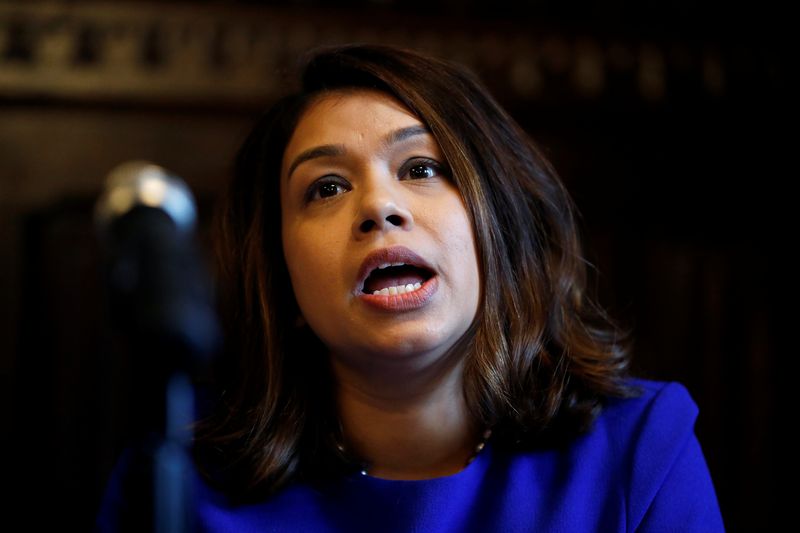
(395, 278)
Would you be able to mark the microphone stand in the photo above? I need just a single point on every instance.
(172, 495)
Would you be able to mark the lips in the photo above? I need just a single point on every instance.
(376, 270)
(381, 262)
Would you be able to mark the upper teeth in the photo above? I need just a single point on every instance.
(387, 265)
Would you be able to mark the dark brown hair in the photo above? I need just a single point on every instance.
(541, 356)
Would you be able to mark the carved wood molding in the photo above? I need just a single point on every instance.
(186, 53)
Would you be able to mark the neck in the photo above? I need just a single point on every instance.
(406, 426)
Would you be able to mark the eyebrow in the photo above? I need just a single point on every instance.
(334, 150)
(326, 150)
(405, 133)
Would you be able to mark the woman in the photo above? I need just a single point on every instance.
(410, 343)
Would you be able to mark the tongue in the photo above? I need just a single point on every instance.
(393, 277)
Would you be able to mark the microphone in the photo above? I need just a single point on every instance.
(160, 296)
(158, 285)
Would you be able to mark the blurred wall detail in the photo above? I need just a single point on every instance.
(207, 52)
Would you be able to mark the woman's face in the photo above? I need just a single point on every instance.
(377, 240)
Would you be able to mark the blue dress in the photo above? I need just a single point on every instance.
(640, 468)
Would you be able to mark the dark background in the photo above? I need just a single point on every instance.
(667, 120)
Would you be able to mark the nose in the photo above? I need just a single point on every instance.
(381, 208)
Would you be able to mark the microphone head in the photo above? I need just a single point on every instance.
(141, 183)
(158, 289)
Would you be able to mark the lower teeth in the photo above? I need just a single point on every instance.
(400, 289)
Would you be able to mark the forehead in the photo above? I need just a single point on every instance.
(351, 115)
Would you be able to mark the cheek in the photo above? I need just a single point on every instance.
(311, 258)
(460, 228)
(302, 257)
(456, 236)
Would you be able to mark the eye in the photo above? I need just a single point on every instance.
(421, 171)
(422, 168)
(326, 187)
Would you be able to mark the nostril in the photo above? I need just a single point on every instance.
(395, 220)
(370, 224)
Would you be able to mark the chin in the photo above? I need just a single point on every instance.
(409, 346)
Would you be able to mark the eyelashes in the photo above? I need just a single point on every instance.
(417, 168)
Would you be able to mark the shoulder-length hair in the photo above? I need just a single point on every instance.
(541, 357)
